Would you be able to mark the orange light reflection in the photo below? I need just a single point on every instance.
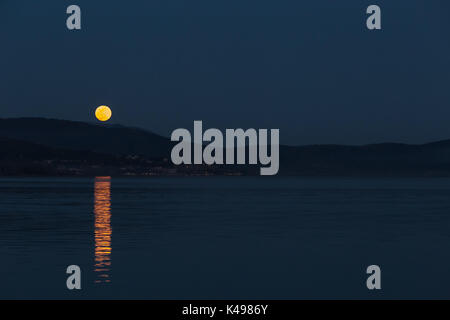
(103, 232)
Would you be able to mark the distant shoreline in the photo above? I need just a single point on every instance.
(49, 147)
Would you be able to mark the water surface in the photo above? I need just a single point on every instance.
(224, 237)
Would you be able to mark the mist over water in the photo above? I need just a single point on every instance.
(224, 237)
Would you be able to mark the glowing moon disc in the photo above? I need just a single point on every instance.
(103, 113)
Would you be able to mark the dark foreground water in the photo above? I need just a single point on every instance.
(224, 237)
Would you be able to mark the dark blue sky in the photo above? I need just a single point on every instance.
(310, 68)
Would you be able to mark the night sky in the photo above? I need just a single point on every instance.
(310, 68)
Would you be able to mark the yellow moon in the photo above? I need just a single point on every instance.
(103, 113)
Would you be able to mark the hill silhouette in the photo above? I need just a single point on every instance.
(28, 158)
(73, 135)
(12, 149)
(38, 142)
(431, 159)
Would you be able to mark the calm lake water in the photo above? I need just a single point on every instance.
(224, 237)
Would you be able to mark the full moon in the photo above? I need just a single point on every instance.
(103, 113)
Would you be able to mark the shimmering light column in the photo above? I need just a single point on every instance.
(103, 232)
